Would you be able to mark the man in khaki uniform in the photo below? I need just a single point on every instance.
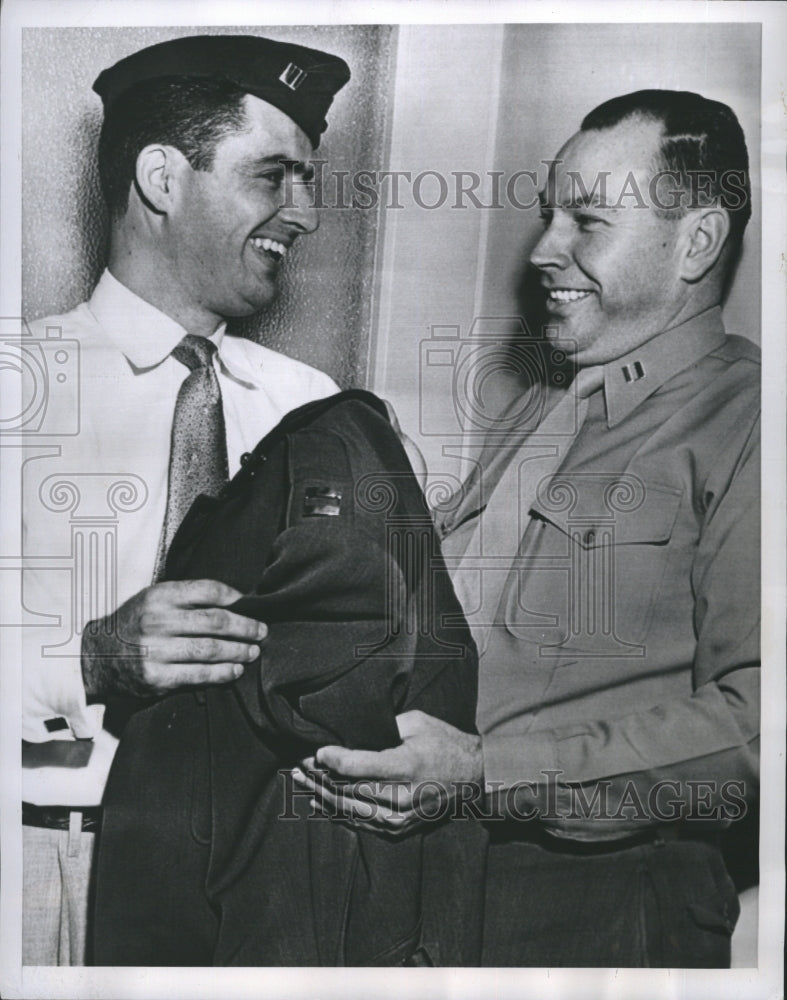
(608, 564)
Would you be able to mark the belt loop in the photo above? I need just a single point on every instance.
(74, 833)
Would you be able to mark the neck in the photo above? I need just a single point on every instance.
(705, 295)
(142, 266)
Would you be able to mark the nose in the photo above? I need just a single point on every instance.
(553, 249)
(298, 210)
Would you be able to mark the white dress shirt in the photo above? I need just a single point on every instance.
(94, 491)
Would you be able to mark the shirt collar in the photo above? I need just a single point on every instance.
(630, 380)
(144, 334)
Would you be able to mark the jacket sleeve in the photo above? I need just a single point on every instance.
(330, 669)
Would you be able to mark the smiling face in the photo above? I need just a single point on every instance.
(229, 227)
(610, 266)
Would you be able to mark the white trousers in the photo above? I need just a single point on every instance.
(56, 882)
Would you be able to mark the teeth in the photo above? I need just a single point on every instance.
(273, 246)
(567, 294)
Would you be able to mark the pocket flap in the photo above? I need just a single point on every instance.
(595, 510)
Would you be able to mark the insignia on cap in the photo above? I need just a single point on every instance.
(293, 76)
(310, 78)
(322, 501)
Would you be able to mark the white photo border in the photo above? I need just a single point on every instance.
(625, 984)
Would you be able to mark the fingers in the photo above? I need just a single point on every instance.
(361, 811)
(219, 622)
(198, 593)
(205, 662)
(334, 799)
(204, 649)
(193, 675)
(365, 815)
(170, 635)
(383, 764)
(414, 722)
(392, 795)
(184, 610)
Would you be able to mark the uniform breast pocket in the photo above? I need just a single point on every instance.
(592, 559)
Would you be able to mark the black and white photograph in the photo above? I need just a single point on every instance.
(392, 565)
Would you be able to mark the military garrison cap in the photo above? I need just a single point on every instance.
(297, 80)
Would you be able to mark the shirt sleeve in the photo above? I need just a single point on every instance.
(694, 756)
(322, 385)
(54, 704)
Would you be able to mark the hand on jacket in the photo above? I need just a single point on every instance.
(393, 791)
(169, 635)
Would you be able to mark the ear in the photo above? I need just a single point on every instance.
(706, 233)
(157, 169)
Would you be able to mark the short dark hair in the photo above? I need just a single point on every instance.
(698, 135)
(190, 113)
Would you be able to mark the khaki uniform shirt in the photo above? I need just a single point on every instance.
(624, 661)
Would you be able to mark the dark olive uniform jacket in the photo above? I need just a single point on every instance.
(206, 855)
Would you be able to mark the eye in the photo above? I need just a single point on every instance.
(274, 178)
(545, 215)
(587, 222)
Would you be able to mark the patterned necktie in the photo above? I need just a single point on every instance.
(493, 543)
(198, 449)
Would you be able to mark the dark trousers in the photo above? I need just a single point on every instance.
(660, 904)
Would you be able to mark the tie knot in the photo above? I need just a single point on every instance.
(588, 380)
(194, 352)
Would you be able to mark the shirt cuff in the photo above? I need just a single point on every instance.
(71, 786)
(55, 690)
(511, 760)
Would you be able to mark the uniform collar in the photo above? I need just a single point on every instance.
(142, 333)
(630, 380)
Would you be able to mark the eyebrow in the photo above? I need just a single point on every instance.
(591, 200)
(300, 168)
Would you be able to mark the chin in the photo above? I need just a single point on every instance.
(571, 345)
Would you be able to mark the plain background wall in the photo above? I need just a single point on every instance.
(585, 64)
(494, 97)
(323, 313)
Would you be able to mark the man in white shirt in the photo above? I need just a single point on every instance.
(202, 162)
